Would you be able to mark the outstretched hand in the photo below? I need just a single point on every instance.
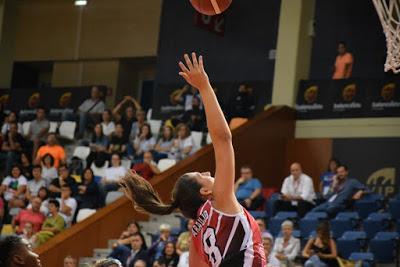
(193, 72)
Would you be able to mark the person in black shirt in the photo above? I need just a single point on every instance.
(169, 256)
(242, 105)
(11, 147)
(118, 141)
(194, 117)
(128, 117)
(64, 178)
(89, 196)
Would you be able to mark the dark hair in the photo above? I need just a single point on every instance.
(342, 43)
(51, 158)
(246, 166)
(185, 195)
(144, 245)
(16, 115)
(149, 134)
(165, 248)
(46, 190)
(85, 170)
(36, 167)
(135, 223)
(55, 203)
(324, 232)
(172, 133)
(333, 160)
(27, 155)
(63, 166)
(343, 166)
(187, 129)
(41, 108)
(16, 166)
(8, 247)
(109, 113)
(66, 186)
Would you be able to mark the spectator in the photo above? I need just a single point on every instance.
(10, 119)
(344, 190)
(112, 174)
(148, 168)
(132, 228)
(344, 63)
(140, 263)
(38, 129)
(98, 146)
(141, 119)
(321, 250)
(184, 96)
(27, 232)
(11, 147)
(89, 195)
(107, 124)
(63, 178)
(16, 251)
(268, 243)
(144, 141)
(26, 164)
(49, 172)
(32, 215)
(297, 192)
(43, 194)
(108, 263)
(164, 144)
(182, 245)
(34, 185)
(53, 225)
(68, 204)
(169, 257)
(286, 248)
(327, 177)
(69, 261)
(157, 248)
(90, 110)
(194, 117)
(242, 104)
(13, 187)
(128, 256)
(248, 189)
(52, 148)
(118, 141)
(129, 116)
(183, 145)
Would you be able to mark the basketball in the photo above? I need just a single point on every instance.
(211, 7)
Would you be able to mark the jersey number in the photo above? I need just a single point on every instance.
(210, 248)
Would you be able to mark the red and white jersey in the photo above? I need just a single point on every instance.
(227, 240)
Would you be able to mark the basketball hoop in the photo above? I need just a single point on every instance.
(389, 14)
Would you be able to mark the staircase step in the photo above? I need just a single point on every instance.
(101, 252)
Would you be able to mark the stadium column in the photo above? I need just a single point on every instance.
(7, 41)
(293, 54)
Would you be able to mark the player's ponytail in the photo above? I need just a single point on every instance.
(185, 195)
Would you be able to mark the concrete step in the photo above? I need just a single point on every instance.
(101, 252)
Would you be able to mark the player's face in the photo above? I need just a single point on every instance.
(26, 257)
(205, 179)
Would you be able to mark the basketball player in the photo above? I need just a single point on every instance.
(16, 251)
(224, 233)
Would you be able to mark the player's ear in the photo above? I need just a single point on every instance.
(205, 192)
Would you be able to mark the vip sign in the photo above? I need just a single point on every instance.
(383, 181)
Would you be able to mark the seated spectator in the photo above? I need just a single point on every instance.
(38, 129)
(52, 148)
(248, 189)
(321, 250)
(90, 110)
(268, 243)
(98, 146)
(183, 145)
(11, 148)
(183, 243)
(194, 117)
(26, 164)
(89, 196)
(132, 228)
(27, 232)
(16, 249)
(108, 263)
(34, 185)
(169, 257)
(344, 190)
(344, 63)
(287, 247)
(53, 225)
(10, 119)
(128, 117)
(184, 96)
(140, 120)
(297, 192)
(13, 188)
(33, 216)
(140, 263)
(49, 172)
(144, 141)
(68, 204)
(43, 194)
(327, 177)
(148, 168)
(242, 104)
(112, 174)
(157, 248)
(164, 144)
(63, 178)
(118, 141)
(129, 256)
(70, 261)
(106, 123)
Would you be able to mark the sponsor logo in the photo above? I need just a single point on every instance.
(383, 181)
(387, 98)
(310, 97)
(349, 92)
(65, 100)
(34, 100)
(5, 99)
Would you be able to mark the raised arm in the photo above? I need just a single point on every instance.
(223, 192)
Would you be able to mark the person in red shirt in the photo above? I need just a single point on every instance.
(148, 168)
(34, 216)
(344, 63)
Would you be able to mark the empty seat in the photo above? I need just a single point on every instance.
(25, 127)
(84, 213)
(126, 163)
(257, 214)
(285, 215)
(394, 208)
(351, 241)
(155, 126)
(316, 215)
(197, 138)
(366, 258)
(376, 222)
(112, 196)
(208, 141)
(67, 129)
(53, 127)
(307, 226)
(340, 226)
(165, 164)
(366, 207)
(384, 246)
(81, 152)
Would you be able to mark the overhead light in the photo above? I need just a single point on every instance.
(80, 2)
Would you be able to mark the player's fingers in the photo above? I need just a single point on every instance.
(184, 75)
(201, 64)
(194, 59)
(183, 67)
(188, 62)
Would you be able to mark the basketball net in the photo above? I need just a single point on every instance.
(389, 14)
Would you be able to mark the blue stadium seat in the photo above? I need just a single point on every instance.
(374, 197)
(319, 215)
(307, 225)
(376, 222)
(367, 258)
(257, 214)
(384, 246)
(351, 241)
(269, 204)
(398, 226)
(348, 215)
(286, 215)
(340, 226)
(394, 208)
(366, 207)
(275, 222)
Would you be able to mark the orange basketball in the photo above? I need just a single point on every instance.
(211, 7)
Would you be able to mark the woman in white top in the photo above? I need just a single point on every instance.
(107, 124)
(110, 181)
(11, 118)
(144, 141)
(268, 242)
(49, 172)
(13, 187)
(287, 247)
(183, 145)
(164, 144)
